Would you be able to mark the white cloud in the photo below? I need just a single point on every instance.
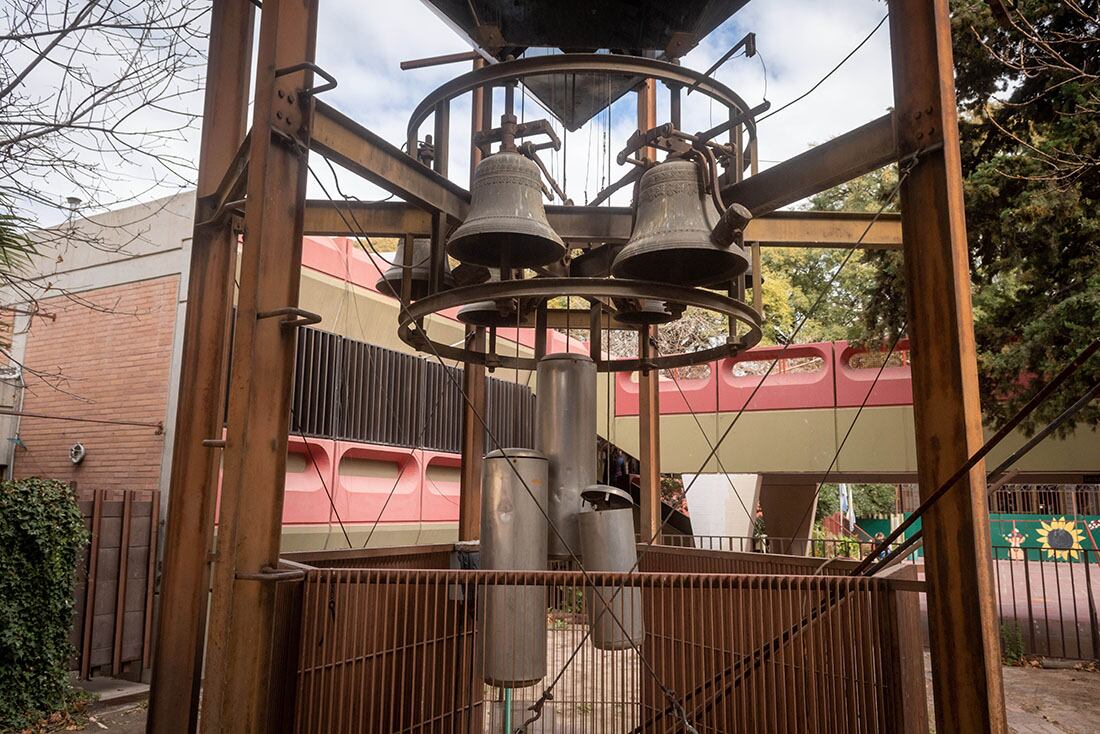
(799, 40)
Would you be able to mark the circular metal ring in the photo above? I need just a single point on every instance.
(589, 289)
(577, 63)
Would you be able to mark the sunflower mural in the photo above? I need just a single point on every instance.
(1061, 538)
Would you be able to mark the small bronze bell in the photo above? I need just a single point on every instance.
(646, 311)
(506, 225)
(489, 313)
(672, 241)
(390, 282)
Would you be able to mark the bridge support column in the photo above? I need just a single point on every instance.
(789, 510)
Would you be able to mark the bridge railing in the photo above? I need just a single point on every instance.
(819, 375)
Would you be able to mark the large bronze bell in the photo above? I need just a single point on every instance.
(672, 240)
(390, 282)
(489, 313)
(506, 225)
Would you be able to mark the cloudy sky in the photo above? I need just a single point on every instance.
(363, 42)
(799, 41)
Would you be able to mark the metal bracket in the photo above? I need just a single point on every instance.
(330, 80)
(214, 443)
(274, 575)
(301, 317)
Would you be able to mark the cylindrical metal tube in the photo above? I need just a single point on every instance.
(565, 433)
(513, 537)
(614, 613)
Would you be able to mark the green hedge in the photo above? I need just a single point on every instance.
(41, 537)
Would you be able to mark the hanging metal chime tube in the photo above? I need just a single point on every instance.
(513, 537)
(565, 433)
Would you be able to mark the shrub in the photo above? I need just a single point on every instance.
(41, 536)
(1012, 644)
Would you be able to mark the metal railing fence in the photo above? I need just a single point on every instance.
(403, 649)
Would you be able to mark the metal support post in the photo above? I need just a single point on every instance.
(649, 418)
(181, 621)
(963, 628)
(239, 678)
(474, 380)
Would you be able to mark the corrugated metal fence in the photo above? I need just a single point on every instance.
(354, 391)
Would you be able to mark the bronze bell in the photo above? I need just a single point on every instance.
(646, 311)
(672, 241)
(506, 225)
(390, 282)
(489, 313)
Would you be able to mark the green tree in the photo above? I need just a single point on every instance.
(1028, 85)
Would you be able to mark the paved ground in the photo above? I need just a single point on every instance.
(1039, 702)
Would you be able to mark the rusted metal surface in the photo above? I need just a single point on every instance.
(535, 289)
(189, 528)
(113, 594)
(584, 225)
(363, 152)
(963, 626)
(239, 666)
(473, 436)
(535, 66)
(422, 667)
(843, 158)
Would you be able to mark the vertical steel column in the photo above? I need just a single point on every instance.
(189, 531)
(473, 375)
(239, 678)
(649, 410)
(963, 629)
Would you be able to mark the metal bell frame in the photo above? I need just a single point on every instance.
(655, 301)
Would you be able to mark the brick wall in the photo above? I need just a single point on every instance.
(105, 357)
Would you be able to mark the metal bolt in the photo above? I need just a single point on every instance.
(289, 121)
(279, 115)
(280, 93)
(931, 131)
(917, 116)
(290, 99)
(920, 135)
(929, 110)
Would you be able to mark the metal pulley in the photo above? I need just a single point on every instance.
(420, 270)
(506, 226)
(673, 239)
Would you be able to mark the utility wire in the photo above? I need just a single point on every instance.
(787, 344)
(537, 707)
(822, 80)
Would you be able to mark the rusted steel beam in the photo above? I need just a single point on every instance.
(189, 527)
(843, 158)
(440, 60)
(602, 224)
(962, 618)
(474, 378)
(239, 660)
(649, 404)
(473, 442)
(344, 141)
